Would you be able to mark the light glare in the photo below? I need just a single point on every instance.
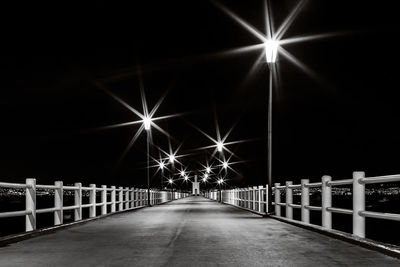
(171, 158)
(225, 165)
(220, 146)
(147, 123)
(208, 170)
(271, 50)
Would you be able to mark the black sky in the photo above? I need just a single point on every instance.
(53, 54)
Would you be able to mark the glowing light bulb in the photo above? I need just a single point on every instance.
(271, 50)
(220, 146)
(147, 123)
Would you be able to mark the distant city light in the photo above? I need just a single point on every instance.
(170, 181)
(162, 165)
(183, 173)
(171, 158)
(204, 179)
(205, 176)
(186, 177)
(225, 164)
(208, 169)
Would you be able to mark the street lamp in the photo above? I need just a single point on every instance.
(225, 165)
(171, 158)
(147, 124)
(271, 51)
(220, 146)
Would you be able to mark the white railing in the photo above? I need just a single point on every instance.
(358, 212)
(112, 200)
(252, 198)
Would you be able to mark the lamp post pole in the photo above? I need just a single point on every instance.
(271, 52)
(269, 165)
(148, 168)
(147, 126)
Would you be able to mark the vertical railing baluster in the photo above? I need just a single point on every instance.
(326, 200)
(104, 200)
(132, 202)
(30, 204)
(127, 198)
(305, 201)
(277, 199)
(289, 200)
(120, 198)
(358, 204)
(260, 198)
(78, 202)
(113, 199)
(58, 203)
(92, 200)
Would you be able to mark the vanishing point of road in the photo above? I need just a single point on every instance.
(189, 232)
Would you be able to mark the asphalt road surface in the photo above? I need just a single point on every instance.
(189, 232)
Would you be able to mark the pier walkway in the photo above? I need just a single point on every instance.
(193, 231)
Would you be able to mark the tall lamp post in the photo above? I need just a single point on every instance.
(271, 52)
(147, 123)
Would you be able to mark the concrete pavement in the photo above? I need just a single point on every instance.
(188, 232)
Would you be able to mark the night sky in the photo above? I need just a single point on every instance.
(53, 55)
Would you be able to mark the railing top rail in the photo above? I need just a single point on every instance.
(41, 186)
(313, 184)
(340, 182)
(381, 179)
(14, 185)
(67, 187)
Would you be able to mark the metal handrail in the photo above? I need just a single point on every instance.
(128, 198)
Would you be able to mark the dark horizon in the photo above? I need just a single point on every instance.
(344, 121)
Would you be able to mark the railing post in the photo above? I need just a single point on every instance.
(78, 202)
(254, 197)
(58, 203)
(326, 199)
(30, 204)
(132, 202)
(358, 204)
(137, 197)
(248, 197)
(277, 200)
(305, 201)
(266, 198)
(113, 198)
(260, 198)
(104, 200)
(289, 200)
(120, 199)
(127, 198)
(92, 201)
